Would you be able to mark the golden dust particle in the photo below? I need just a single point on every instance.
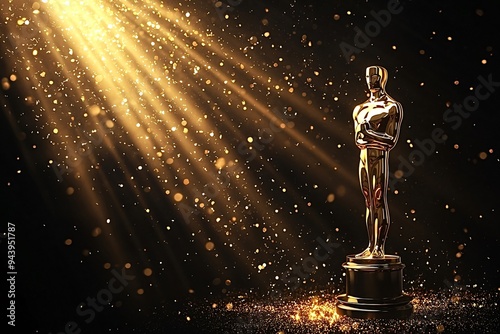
(159, 154)
(209, 246)
(267, 34)
(188, 318)
(109, 124)
(394, 47)
(449, 38)
(483, 155)
(422, 52)
(440, 328)
(456, 146)
(147, 272)
(208, 82)
(456, 82)
(68, 242)
(178, 197)
(98, 78)
(70, 191)
(94, 110)
(35, 52)
(330, 198)
(490, 150)
(140, 291)
(250, 139)
(13, 77)
(96, 232)
(412, 211)
(107, 265)
(398, 174)
(228, 282)
(229, 306)
(5, 84)
(218, 4)
(396, 192)
(457, 278)
(185, 182)
(422, 84)
(458, 255)
(336, 17)
(341, 191)
(56, 130)
(253, 40)
(265, 22)
(220, 163)
(127, 265)
(461, 247)
(484, 61)
(214, 305)
(170, 161)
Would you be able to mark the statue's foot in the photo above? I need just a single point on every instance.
(366, 253)
(378, 252)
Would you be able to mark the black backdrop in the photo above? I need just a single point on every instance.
(444, 213)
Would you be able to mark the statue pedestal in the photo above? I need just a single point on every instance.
(374, 289)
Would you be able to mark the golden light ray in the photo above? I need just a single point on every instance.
(157, 100)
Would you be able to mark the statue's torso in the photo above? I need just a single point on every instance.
(374, 113)
(377, 116)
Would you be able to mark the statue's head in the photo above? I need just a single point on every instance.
(376, 78)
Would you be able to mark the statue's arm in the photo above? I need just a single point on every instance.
(390, 136)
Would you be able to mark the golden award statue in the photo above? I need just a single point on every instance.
(374, 280)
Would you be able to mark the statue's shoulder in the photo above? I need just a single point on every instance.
(393, 104)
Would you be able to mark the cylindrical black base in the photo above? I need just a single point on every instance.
(374, 289)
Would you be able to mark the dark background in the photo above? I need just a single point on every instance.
(444, 214)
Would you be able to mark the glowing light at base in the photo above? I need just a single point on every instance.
(315, 310)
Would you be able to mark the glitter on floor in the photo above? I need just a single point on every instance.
(449, 311)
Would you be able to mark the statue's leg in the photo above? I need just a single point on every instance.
(381, 208)
(365, 188)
